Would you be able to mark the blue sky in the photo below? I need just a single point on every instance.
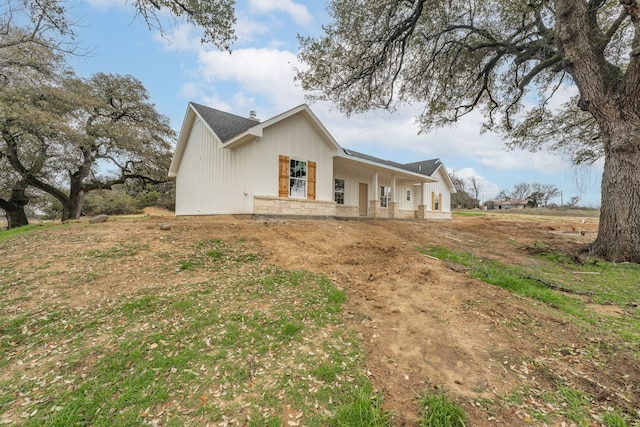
(258, 75)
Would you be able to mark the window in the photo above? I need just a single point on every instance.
(338, 192)
(408, 195)
(297, 178)
(435, 201)
(385, 193)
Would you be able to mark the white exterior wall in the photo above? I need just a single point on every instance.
(244, 179)
(211, 179)
(353, 175)
(416, 198)
(438, 187)
(297, 138)
(216, 180)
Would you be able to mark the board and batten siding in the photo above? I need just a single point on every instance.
(212, 179)
(297, 139)
(353, 175)
(416, 196)
(436, 188)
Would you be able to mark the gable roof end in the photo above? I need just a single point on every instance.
(300, 109)
(234, 130)
(225, 125)
(425, 167)
(429, 168)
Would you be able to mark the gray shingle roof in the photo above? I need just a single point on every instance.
(225, 125)
(425, 167)
(362, 156)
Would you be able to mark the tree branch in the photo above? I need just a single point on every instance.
(541, 66)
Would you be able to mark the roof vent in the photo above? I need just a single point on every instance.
(252, 116)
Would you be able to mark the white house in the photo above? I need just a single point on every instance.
(511, 204)
(291, 165)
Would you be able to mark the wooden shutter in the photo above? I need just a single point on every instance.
(283, 182)
(311, 180)
(440, 202)
(433, 200)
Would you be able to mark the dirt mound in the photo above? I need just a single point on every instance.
(424, 324)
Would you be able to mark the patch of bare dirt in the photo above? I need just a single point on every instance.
(423, 324)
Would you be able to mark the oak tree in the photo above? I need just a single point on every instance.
(84, 135)
(24, 69)
(454, 57)
(34, 37)
(51, 22)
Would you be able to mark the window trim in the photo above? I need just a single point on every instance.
(338, 192)
(385, 196)
(293, 178)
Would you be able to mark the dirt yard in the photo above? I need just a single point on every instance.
(424, 324)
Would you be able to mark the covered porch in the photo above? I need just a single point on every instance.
(366, 188)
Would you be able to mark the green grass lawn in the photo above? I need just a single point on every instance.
(253, 343)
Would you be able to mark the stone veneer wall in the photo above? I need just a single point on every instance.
(263, 205)
(405, 214)
(346, 211)
(438, 215)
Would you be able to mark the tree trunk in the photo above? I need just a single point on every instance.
(72, 207)
(612, 100)
(619, 229)
(16, 217)
(14, 207)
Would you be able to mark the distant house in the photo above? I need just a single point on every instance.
(291, 165)
(511, 204)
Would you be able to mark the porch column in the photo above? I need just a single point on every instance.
(374, 199)
(393, 203)
(422, 209)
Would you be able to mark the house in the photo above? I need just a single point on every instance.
(512, 204)
(291, 165)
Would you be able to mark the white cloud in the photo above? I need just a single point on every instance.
(247, 29)
(190, 90)
(107, 4)
(182, 38)
(250, 74)
(298, 12)
(399, 131)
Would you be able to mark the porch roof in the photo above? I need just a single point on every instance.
(380, 165)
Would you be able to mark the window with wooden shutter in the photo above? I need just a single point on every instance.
(283, 182)
(440, 202)
(311, 181)
(298, 177)
(433, 200)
